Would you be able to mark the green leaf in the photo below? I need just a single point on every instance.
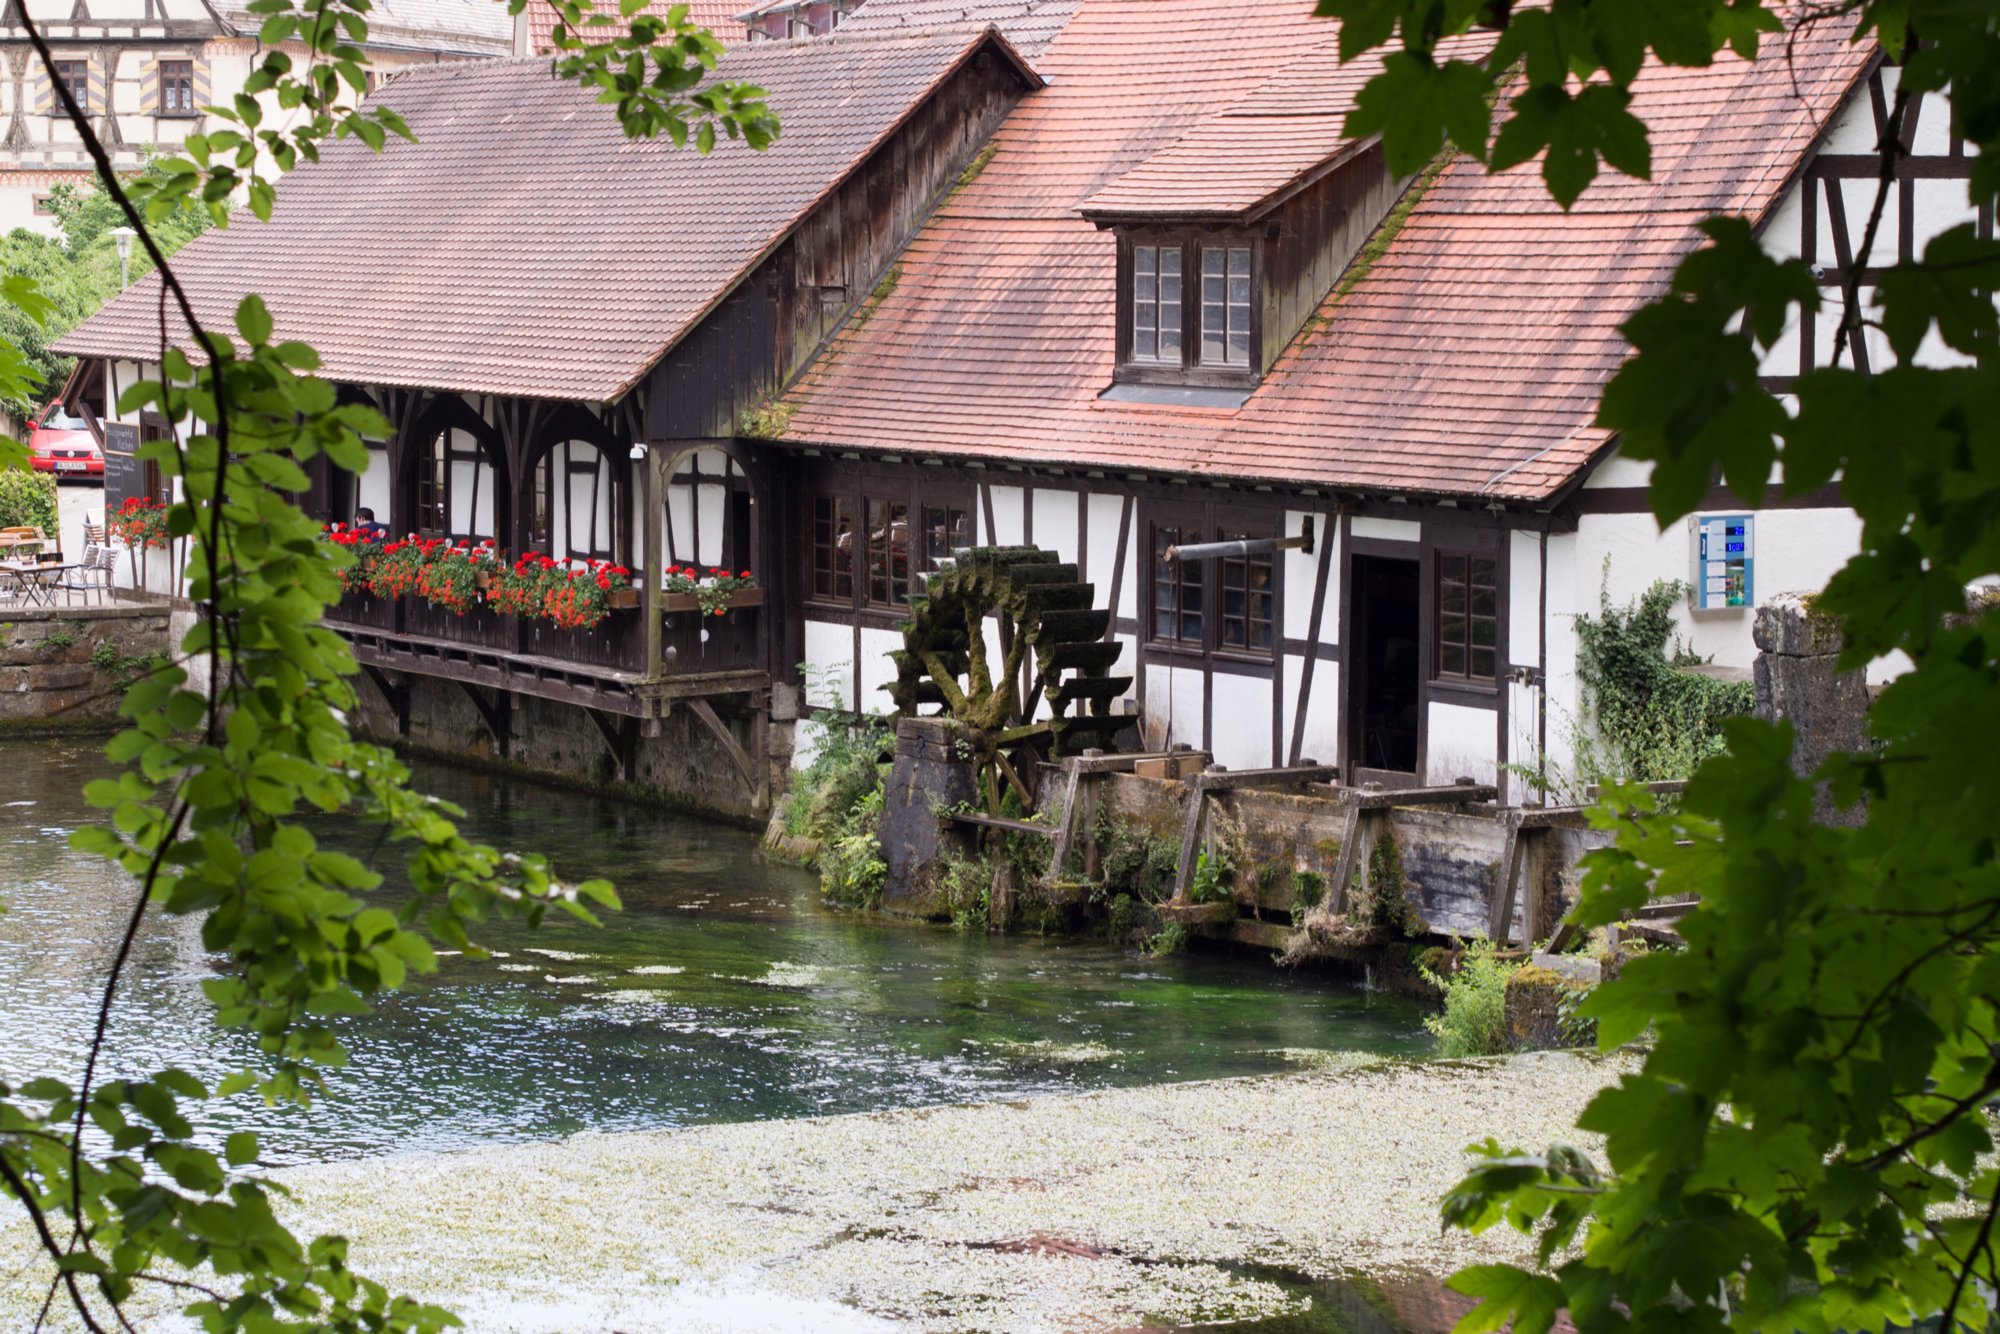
(253, 320)
(1507, 1296)
(1416, 106)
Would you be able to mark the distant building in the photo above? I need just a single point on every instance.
(146, 70)
(535, 26)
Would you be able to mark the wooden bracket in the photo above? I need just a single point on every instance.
(705, 711)
(498, 715)
(395, 695)
(621, 735)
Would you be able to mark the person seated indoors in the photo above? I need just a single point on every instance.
(364, 523)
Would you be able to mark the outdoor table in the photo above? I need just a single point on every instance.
(35, 582)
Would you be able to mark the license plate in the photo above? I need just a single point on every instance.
(71, 465)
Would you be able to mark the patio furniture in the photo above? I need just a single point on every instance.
(14, 538)
(30, 582)
(90, 575)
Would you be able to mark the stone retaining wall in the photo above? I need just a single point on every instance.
(684, 765)
(65, 668)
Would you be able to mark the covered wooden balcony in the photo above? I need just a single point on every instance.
(568, 483)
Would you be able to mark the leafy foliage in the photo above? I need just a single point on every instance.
(1474, 1019)
(1657, 719)
(208, 811)
(28, 499)
(73, 276)
(1806, 1145)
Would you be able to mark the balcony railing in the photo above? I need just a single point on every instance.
(691, 643)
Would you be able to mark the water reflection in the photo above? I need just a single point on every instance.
(723, 992)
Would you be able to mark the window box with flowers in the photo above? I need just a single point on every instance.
(715, 592)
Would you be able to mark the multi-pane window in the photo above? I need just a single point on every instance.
(1247, 587)
(1467, 616)
(177, 88)
(1178, 592)
(832, 548)
(75, 75)
(1225, 305)
(1156, 303)
(946, 529)
(433, 465)
(888, 551)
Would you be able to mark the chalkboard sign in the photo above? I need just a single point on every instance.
(124, 474)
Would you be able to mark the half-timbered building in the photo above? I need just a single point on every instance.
(1118, 283)
(145, 71)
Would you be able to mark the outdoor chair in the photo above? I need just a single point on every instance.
(93, 534)
(90, 575)
(12, 539)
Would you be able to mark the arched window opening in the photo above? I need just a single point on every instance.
(710, 512)
(454, 487)
(573, 502)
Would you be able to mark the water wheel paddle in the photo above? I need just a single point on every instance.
(1053, 660)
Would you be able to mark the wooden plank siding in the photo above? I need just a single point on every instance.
(765, 331)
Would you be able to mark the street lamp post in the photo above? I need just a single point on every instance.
(123, 236)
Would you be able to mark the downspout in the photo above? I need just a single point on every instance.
(1542, 673)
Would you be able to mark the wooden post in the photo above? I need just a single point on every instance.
(1191, 832)
(1066, 835)
(1091, 869)
(1508, 871)
(652, 495)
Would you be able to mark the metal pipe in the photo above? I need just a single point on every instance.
(1254, 546)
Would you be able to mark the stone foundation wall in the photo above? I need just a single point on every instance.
(66, 668)
(684, 765)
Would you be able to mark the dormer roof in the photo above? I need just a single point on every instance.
(1245, 160)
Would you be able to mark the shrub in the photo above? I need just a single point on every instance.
(1474, 1021)
(1657, 720)
(846, 766)
(28, 500)
(851, 869)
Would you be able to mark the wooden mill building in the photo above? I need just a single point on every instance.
(1097, 275)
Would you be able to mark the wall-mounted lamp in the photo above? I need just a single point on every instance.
(638, 449)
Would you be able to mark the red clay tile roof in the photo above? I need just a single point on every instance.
(1468, 360)
(524, 245)
(1244, 161)
(1029, 25)
(718, 16)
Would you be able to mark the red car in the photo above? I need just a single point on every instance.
(63, 445)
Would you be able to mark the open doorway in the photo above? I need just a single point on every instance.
(1385, 690)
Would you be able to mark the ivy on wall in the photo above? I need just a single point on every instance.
(1654, 718)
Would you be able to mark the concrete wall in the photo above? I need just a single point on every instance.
(48, 679)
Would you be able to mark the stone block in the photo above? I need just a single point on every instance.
(929, 775)
(1787, 625)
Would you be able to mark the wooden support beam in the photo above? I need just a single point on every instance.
(1335, 901)
(705, 711)
(621, 736)
(1000, 822)
(498, 716)
(1191, 837)
(1453, 795)
(397, 696)
(1509, 872)
(1066, 833)
(1223, 780)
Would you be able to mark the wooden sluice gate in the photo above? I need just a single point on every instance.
(1291, 859)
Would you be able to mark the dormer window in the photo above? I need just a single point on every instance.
(1186, 309)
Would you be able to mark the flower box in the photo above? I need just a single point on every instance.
(742, 597)
(624, 599)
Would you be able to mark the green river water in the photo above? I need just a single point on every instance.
(723, 992)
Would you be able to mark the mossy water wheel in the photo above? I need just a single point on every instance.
(1053, 660)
